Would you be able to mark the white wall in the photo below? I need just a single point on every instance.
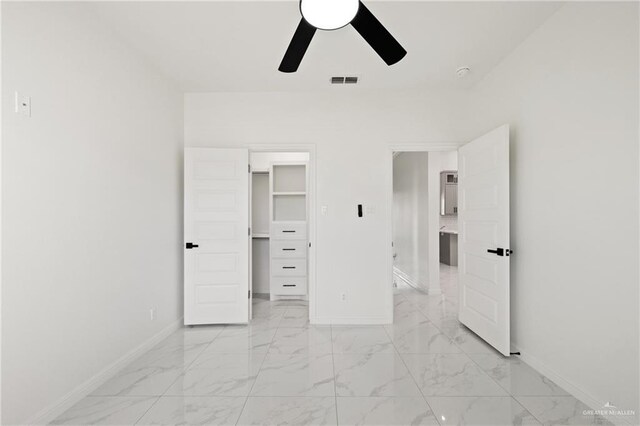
(411, 217)
(91, 204)
(352, 131)
(570, 94)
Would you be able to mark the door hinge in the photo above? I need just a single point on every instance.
(249, 231)
(249, 294)
(249, 168)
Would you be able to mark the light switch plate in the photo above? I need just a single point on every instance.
(23, 105)
(323, 209)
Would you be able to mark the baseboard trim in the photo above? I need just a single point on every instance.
(51, 412)
(569, 386)
(404, 277)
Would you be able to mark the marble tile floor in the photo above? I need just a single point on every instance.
(424, 369)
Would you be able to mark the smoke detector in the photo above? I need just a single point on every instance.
(462, 71)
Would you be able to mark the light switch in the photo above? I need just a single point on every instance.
(323, 210)
(23, 105)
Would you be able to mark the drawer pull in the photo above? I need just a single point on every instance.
(288, 249)
(288, 267)
(288, 285)
(288, 231)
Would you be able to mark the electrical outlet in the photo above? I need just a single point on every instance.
(23, 105)
(343, 297)
(152, 314)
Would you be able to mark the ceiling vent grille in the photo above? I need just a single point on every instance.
(344, 80)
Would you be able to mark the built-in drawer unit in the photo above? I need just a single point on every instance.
(289, 267)
(293, 286)
(288, 235)
(289, 231)
(288, 249)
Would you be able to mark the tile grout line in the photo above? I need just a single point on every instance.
(257, 374)
(335, 390)
(148, 409)
(526, 409)
(462, 351)
(183, 371)
(487, 374)
(260, 369)
(412, 376)
(509, 393)
(186, 368)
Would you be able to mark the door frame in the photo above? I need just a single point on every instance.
(311, 195)
(391, 148)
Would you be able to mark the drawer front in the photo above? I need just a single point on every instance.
(289, 286)
(289, 267)
(291, 231)
(288, 249)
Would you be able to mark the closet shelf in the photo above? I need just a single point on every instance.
(260, 235)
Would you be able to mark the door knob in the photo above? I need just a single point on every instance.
(191, 245)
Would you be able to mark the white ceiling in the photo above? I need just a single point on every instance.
(237, 46)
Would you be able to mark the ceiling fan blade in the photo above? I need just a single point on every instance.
(297, 48)
(377, 36)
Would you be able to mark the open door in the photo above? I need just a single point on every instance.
(483, 246)
(216, 224)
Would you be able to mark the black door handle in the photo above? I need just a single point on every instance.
(191, 245)
(500, 251)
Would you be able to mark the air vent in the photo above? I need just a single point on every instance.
(344, 80)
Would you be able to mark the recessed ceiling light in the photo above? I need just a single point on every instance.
(462, 71)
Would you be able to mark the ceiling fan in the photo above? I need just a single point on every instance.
(330, 15)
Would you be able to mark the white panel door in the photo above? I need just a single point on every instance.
(216, 224)
(483, 246)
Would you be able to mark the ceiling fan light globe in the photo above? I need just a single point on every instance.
(329, 14)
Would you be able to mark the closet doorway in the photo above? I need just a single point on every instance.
(249, 232)
(280, 226)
